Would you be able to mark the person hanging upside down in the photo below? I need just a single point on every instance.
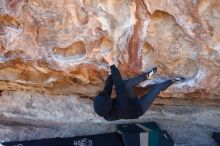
(126, 105)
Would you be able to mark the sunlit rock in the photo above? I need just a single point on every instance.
(57, 47)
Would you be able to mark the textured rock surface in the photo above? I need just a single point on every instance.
(57, 46)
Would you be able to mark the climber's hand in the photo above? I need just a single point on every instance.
(108, 58)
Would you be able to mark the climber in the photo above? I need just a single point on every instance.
(126, 105)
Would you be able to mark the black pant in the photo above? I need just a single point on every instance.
(125, 92)
(146, 100)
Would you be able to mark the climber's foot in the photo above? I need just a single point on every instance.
(151, 73)
(178, 80)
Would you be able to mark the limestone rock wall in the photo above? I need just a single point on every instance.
(54, 46)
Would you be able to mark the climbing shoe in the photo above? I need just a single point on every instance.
(151, 72)
(178, 80)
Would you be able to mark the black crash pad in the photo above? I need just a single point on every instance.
(216, 136)
(139, 134)
(107, 139)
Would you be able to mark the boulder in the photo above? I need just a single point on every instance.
(57, 47)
